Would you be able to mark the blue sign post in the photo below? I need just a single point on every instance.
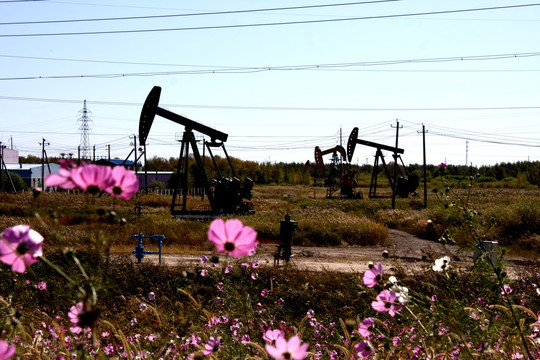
(139, 249)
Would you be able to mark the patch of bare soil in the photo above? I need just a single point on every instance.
(407, 251)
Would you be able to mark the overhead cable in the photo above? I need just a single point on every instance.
(195, 14)
(243, 70)
(277, 108)
(300, 22)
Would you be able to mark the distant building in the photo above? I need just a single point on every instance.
(115, 162)
(11, 156)
(161, 176)
(31, 173)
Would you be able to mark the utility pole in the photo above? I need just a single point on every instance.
(425, 171)
(4, 167)
(94, 154)
(394, 187)
(135, 150)
(109, 153)
(43, 154)
(466, 152)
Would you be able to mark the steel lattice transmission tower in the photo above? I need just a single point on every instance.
(85, 132)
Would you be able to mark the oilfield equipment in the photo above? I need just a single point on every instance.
(337, 178)
(404, 185)
(225, 194)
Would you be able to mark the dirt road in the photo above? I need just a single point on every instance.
(407, 250)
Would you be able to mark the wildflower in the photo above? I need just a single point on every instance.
(280, 302)
(442, 166)
(402, 293)
(92, 178)
(6, 351)
(366, 327)
(264, 292)
(219, 285)
(204, 259)
(143, 307)
(244, 266)
(232, 237)
(204, 272)
(41, 286)
(133, 322)
(373, 276)
(151, 296)
(212, 346)
(105, 334)
(272, 335)
(20, 247)
(310, 313)
(363, 349)
(506, 289)
(283, 349)
(253, 276)
(442, 264)
(63, 178)
(73, 315)
(152, 337)
(83, 316)
(387, 301)
(228, 269)
(245, 339)
(255, 264)
(125, 183)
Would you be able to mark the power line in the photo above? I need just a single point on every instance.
(500, 142)
(276, 108)
(243, 70)
(196, 14)
(301, 22)
(331, 66)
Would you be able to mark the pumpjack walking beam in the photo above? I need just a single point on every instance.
(351, 145)
(227, 195)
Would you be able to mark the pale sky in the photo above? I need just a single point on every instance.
(279, 81)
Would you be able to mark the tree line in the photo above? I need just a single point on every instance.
(307, 174)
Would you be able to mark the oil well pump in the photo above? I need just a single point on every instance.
(226, 195)
(338, 178)
(406, 184)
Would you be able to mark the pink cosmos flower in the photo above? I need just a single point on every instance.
(442, 166)
(264, 292)
(125, 183)
(232, 237)
(92, 178)
(41, 286)
(73, 315)
(6, 351)
(387, 301)
(20, 247)
(366, 327)
(212, 346)
(63, 178)
(283, 349)
(363, 349)
(272, 335)
(373, 276)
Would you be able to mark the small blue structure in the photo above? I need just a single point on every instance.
(139, 249)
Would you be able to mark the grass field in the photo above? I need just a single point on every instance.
(223, 308)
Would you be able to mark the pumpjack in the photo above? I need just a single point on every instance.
(338, 179)
(406, 184)
(225, 194)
